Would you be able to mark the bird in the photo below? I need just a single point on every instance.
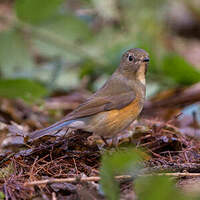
(113, 107)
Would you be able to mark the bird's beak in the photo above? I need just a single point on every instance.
(146, 59)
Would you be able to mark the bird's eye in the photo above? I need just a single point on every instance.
(130, 58)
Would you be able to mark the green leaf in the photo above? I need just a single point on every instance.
(36, 11)
(69, 27)
(2, 196)
(157, 188)
(62, 35)
(179, 70)
(14, 55)
(22, 88)
(115, 164)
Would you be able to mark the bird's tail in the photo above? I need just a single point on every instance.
(54, 127)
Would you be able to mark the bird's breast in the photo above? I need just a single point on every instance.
(111, 122)
(126, 114)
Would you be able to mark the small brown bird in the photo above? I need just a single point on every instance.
(115, 105)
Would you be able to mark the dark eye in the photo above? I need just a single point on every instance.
(130, 58)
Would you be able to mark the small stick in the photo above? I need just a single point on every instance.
(177, 174)
(54, 196)
(71, 180)
(6, 158)
(97, 178)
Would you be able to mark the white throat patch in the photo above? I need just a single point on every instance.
(141, 74)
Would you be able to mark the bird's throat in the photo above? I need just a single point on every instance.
(140, 74)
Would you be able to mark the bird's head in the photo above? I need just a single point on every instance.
(134, 63)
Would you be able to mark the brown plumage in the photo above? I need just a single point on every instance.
(115, 105)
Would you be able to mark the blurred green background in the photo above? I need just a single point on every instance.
(65, 45)
(53, 45)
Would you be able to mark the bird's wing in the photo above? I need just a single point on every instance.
(111, 96)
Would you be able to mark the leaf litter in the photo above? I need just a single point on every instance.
(77, 154)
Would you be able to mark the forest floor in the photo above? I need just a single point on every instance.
(67, 165)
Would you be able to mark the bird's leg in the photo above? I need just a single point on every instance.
(115, 142)
(104, 140)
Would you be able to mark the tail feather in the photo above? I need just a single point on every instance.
(54, 127)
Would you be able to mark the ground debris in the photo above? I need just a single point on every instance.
(77, 154)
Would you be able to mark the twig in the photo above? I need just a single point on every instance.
(54, 196)
(174, 167)
(184, 97)
(5, 191)
(97, 178)
(6, 158)
(178, 174)
(72, 180)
